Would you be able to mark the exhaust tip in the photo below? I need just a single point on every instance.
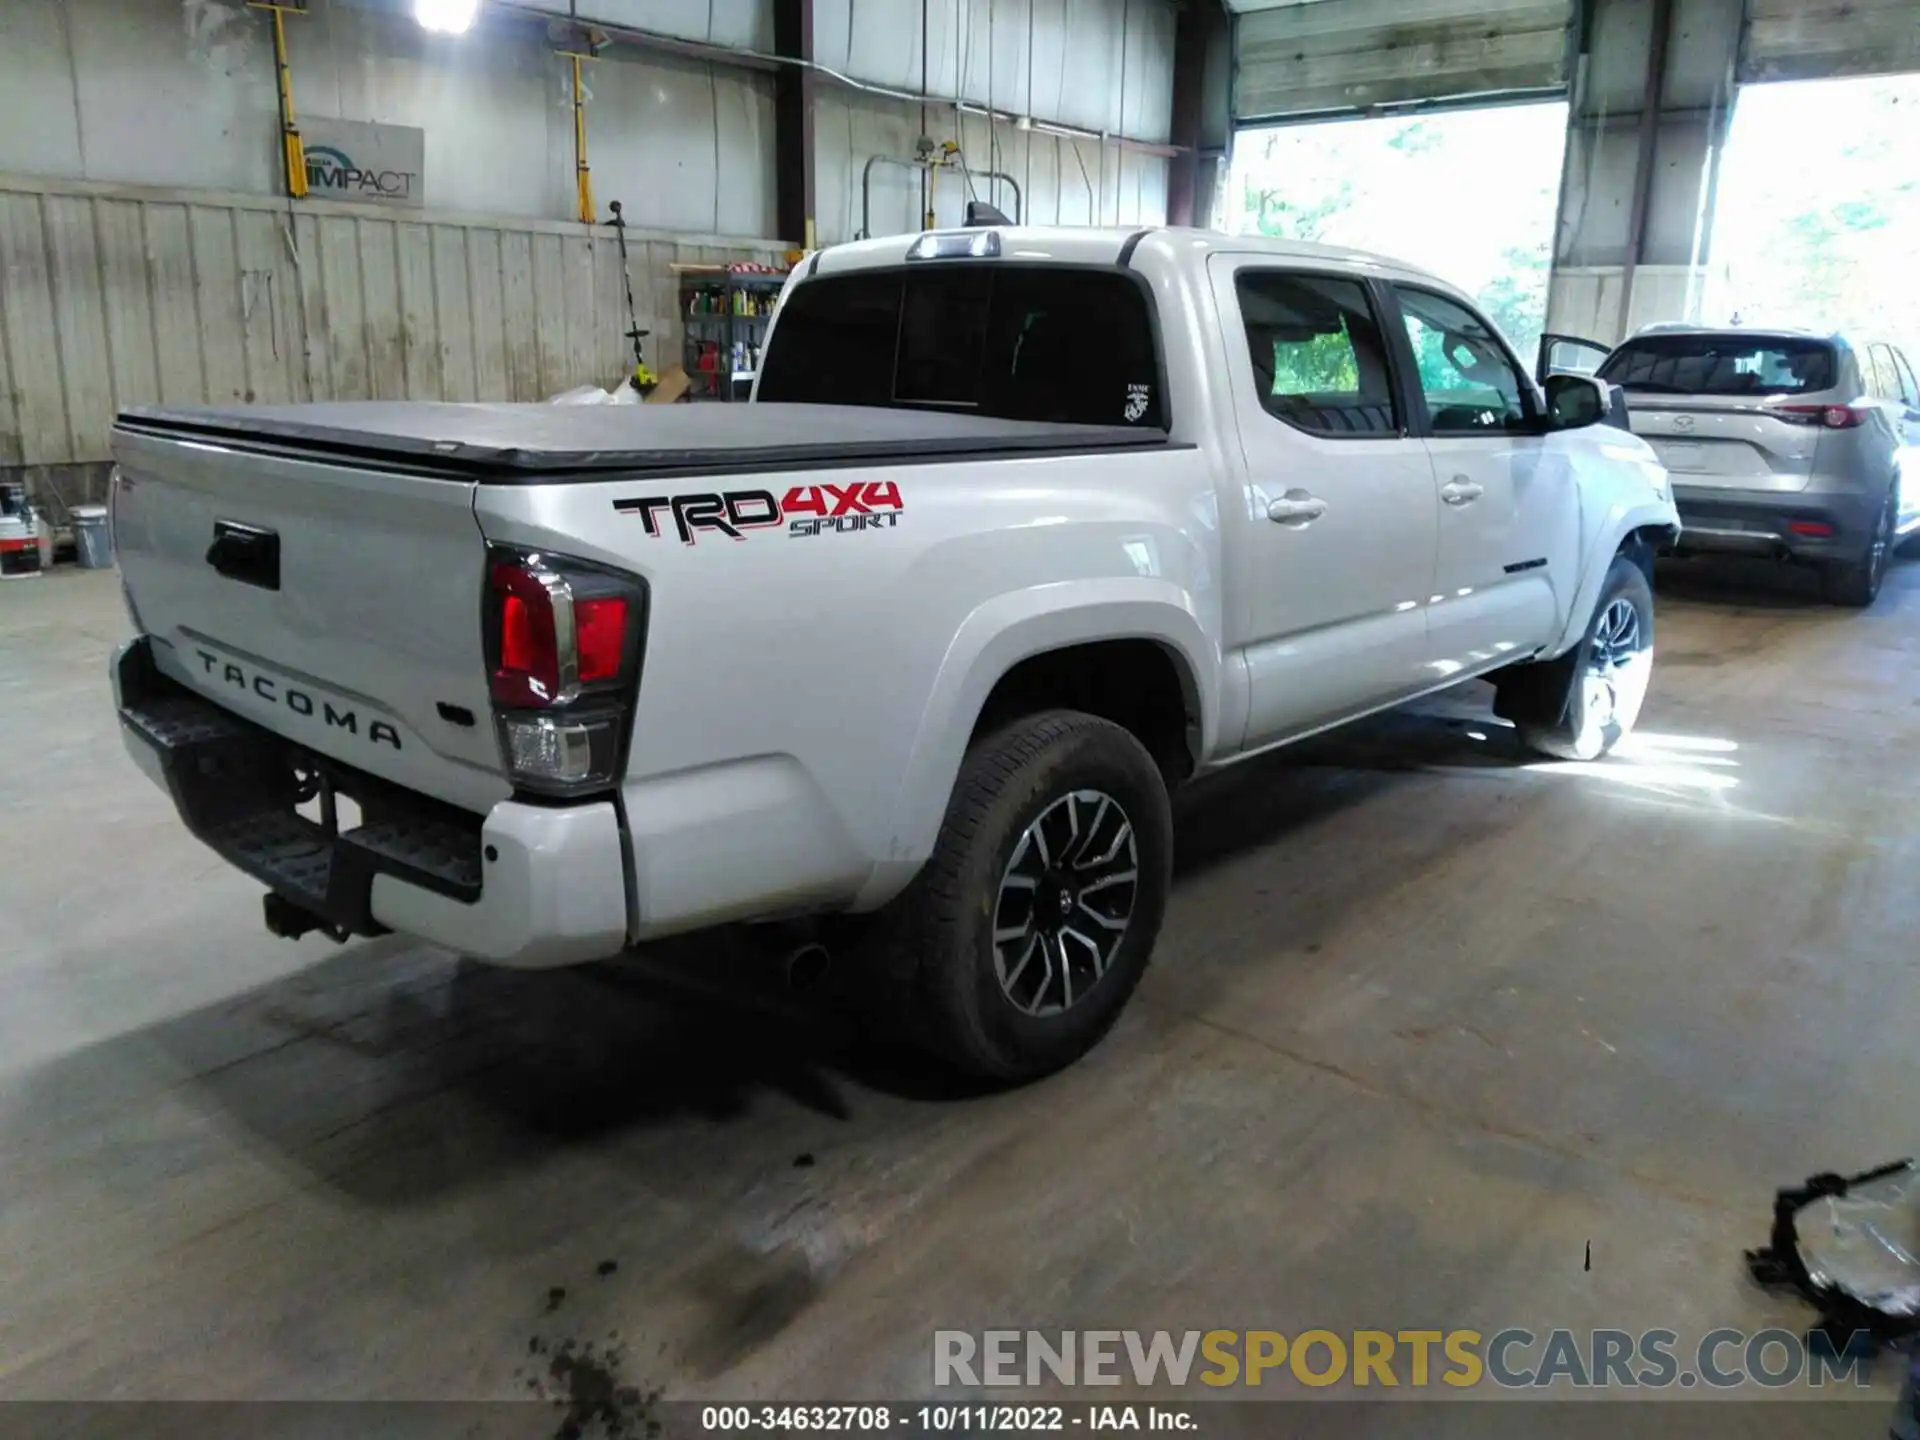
(807, 965)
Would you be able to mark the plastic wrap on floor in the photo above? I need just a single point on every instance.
(1863, 1242)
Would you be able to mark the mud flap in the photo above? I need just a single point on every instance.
(1537, 693)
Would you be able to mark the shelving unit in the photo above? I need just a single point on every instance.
(724, 311)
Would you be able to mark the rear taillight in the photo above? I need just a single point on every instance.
(1830, 417)
(527, 669)
(563, 655)
(601, 628)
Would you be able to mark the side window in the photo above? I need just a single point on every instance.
(1879, 375)
(1470, 383)
(1909, 392)
(1318, 359)
(1886, 377)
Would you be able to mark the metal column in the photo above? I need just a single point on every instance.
(793, 149)
(1202, 102)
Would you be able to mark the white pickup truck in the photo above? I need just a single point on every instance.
(1024, 528)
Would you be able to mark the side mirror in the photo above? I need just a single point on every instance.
(1577, 401)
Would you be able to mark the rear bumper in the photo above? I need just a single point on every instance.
(1761, 522)
(524, 885)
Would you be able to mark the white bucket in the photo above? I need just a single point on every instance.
(92, 546)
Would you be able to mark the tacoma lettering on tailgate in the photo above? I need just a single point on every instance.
(280, 692)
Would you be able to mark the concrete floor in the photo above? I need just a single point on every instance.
(1426, 1022)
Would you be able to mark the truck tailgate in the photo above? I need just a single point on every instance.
(338, 606)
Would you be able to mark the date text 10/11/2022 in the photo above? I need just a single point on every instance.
(944, 1419)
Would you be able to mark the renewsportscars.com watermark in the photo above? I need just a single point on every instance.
(1512, 1359)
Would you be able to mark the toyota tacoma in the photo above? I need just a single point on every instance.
(1022, 529)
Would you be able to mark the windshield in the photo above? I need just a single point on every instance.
(1016, 342)
(1721, 365)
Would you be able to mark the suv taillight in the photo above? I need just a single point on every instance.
(1831, 417)
(563, 644)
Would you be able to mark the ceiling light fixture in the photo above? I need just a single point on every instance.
(446, 17)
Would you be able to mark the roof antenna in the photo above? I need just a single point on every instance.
(980, 213)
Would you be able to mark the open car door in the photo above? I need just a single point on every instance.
(1568, 355)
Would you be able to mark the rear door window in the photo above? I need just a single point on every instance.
(1318, 360)
(1721, 365)
(1016, 342)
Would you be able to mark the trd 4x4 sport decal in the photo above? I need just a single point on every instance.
(805, 510)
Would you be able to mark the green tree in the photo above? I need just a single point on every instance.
(1323, 365)
(1416, 137)
(1516, 299)
(1274, 213)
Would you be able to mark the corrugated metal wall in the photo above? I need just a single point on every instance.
(1101, 65)
(156, 92)
(114, 291)
(111, 296)
(1062, 181)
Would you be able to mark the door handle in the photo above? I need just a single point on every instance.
(246, 554)
(1296, 508)
(1461, 491)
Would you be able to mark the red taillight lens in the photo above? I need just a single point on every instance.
(1832, 417)
(1816, 529)
(563, 637)
(529, 668)
(600, 626)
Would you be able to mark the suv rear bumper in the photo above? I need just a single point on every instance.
(1760, 522)
(525, 885)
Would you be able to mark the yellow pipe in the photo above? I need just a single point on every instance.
(295, 152)
(583, 176)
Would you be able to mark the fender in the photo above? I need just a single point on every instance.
(1619, 520)
(995, 637)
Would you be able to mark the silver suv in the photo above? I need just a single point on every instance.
(1778, 442)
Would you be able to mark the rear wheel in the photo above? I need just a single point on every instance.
(1032, 922)
(1856, 582)
(1602, 682)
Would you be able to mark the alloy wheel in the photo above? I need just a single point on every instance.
(1065, 902)
(1615, 681)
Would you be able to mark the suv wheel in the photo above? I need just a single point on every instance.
(1856, 583)
(1599, 686)
(1032, 922)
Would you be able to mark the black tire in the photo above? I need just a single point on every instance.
(1856, 583)
(941, 951)
(1576, 721)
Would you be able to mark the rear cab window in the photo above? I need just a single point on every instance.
(1730, 365)
(1059, 343)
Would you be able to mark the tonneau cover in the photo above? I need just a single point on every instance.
(527, 443)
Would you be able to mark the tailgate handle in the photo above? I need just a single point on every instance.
(246, 554)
